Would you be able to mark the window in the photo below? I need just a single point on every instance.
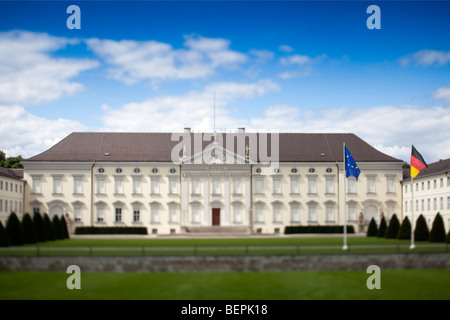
(118, 185)
(237, 213)
(423, 185)
(36, 210)
(276, 185)
(329, 213)
(173, 185)
(118, 215)
(448, 203)
(295, 213)
(276, 213)
(329, 170)
(136, 215)
(6, 186)
(276, 170)
(155, 170)
(417, 186)
(434, 184)
(441, 204)
(406, 189)
(173, 170)
(196, 214)
(216, 186)
(259, 213)
(1, 185)
(137, 186)
(173, 213)
(434, 204)
(259, 185)
(15, 188)
(20, 207)
(36, 185)
(101, 186)
(422, 204)
(6, 205)
(237, 185)
(258, 170)
(351, 212)
(154, 185)
(101, 170)
(428, 185)
(295, 185)
(312, 213)
(78, 185)
(1, 205)
(294, 170)
(311, 170)
(442, 182)
(100, 213)
(329, 185)
(57, 185)
(417, 205)
(428, 204)
(351, 185)
(312, 185)
(390, 185)
(118, 170)
(390, 209)
(137, 170)
(406, 206)
(154, 213)
(77, 213)
(195, 186)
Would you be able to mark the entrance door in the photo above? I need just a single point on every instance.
(216, 216)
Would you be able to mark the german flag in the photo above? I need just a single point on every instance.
(417, 162)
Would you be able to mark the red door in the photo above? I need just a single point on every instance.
(216, 216)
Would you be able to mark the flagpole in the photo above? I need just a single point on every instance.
(345, 247)
(412, 246)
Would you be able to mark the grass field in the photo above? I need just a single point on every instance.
(395, 284)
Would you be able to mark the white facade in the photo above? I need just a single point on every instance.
(11, 197)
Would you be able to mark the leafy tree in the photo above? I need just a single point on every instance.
(63, 222)
(421, 232)
(4, 241)
(405, 229)
(29, 232)
(39, 227)
(14, 230)
(13, 162)
(372, 231)
(394, 226)
(382, 228)
(437, 233)
(57, 231)
(2, 158)
(48, 229)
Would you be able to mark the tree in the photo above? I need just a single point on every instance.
(372, 231)
(405, 229)
(39, 227)
(421, 232)
(2, 158)
(64, 227)
(48, 229)
(394, 226)
(382, 228)
(57, 228)
(29, 232)
(437, 233)
(13, 162)
(14, 230)
(4, 241)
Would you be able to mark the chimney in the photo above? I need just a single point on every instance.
(241, 130)
(187, 130)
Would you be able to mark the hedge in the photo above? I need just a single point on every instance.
(372, 231)
(317, 229)
(110, 230)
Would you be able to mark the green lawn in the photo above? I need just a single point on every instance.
(395, 284)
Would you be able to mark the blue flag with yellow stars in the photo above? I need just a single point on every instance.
(351, 168)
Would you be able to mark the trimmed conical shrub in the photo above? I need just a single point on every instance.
(4, 242)
(405, 229)
(39, 227)
(382, 228)
(57, 231)
(372, 231)
(14, 230)
(394, 226)
(63, 222)
(437, 233)
(421, 232)
(48, 229)
(29, 233)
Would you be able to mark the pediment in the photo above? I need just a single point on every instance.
(215, 154)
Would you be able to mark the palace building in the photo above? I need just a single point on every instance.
(188, 182)
(11, 192)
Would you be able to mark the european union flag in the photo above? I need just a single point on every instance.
(351, 168)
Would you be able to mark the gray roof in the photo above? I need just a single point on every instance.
(16, 174)
(121, 146)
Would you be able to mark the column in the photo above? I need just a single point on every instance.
(184, 199)
(248, 199)
(226, 199)
(206, 220)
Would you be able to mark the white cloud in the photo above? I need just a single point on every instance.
(426, 58)
(134, 61)
(262, 55)
(285, 48)
(194, 109)
(28, 72)
(442, 94)
(26, 134)
(302, 64)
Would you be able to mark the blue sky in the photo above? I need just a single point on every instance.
(293, 66)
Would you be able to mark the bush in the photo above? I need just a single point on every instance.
(405, 230)
(111, 230)
(29, 232)
(421, 232)
(4, 242)
(14, 230)
(57, 230)
(63, 222)
(317, 229)
(39, 227)
(48, 229)
(372, 231)
(393, 228)
(437, 233)
(382, 228)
